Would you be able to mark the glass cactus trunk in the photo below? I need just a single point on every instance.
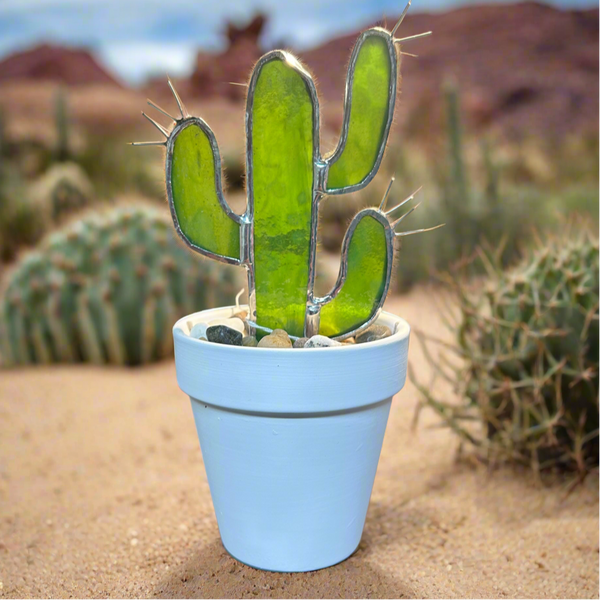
(281, 130)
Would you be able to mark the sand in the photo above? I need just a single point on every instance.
(103, 494)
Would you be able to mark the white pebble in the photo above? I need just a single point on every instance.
(199, 331)
(321, 341)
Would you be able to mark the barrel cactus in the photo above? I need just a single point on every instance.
(105, 289)
(527, 349)
(287, 177)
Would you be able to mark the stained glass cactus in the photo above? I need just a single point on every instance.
(287, 177)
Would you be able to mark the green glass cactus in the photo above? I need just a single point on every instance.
(286, 179)
(105, 289)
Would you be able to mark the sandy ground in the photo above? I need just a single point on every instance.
(103, 494)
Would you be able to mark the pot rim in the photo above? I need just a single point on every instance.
(181, 329)
(288, 382)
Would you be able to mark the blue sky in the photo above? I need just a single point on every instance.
(136, 38)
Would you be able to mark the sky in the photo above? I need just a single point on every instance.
(137, 38)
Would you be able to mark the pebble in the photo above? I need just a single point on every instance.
(199, 331)
(299, 343)
(243, 315)
(221, 334)
(321, 341)
(232, 323)
(249, 340)
(373, 333)
(278, 339)
(349, 340)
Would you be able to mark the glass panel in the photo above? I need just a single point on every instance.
(201, 217)
(365, 281)
(368, 115)
(282, 163)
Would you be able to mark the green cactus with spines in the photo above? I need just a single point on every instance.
(286, 179)
(528, 349)
(105, 290)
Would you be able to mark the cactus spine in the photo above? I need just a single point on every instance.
(104, 290)
(287, 177)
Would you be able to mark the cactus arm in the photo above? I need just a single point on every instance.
(368, 113)
(282, 127)
(364, 278)
(201, 215)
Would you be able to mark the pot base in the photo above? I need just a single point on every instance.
(290, 571)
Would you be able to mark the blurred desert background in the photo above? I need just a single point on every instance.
(102, 488)
(497, 119)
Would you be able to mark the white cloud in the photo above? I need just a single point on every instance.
(139, 37)
(136, 61)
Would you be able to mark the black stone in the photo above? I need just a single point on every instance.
(221, 334)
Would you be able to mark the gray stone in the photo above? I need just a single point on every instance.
(373, 333)
(250, 341)
(278, 339)
(221, 334)
(321, 341)
(299, 343)
(199, 331)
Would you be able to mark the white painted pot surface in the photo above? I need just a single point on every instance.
(290, 439)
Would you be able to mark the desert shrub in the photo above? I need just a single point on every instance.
(471, 204)
(106, 289)
(27, 212)
(107, 161)
(61, 191)
(20, 221)
(525, 344)
(488, 193)
(114, 167)
(21, 224)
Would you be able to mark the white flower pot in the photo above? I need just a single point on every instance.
(290, 439)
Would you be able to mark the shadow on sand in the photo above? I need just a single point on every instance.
(212, 573)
